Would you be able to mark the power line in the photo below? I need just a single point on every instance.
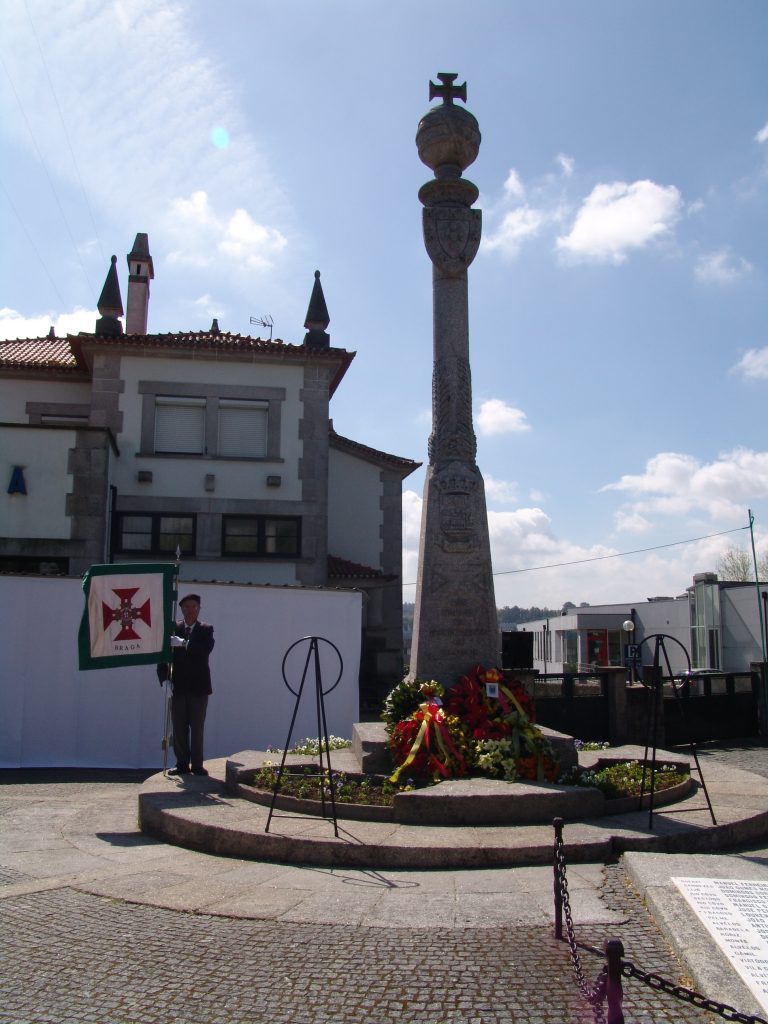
(66, 133)
(31, 241)
(616, 554)
(51, 185)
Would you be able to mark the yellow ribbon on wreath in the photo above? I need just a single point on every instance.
(433, 714)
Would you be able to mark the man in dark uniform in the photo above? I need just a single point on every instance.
(191, 683)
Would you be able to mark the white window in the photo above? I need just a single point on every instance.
(242, 428)
(179, 425)
(227, 421)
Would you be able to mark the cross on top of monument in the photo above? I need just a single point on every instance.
(447, 91)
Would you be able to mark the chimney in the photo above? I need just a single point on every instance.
(140, 273)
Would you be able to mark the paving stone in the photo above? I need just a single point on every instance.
(72, 957)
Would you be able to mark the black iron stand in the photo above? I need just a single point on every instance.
(324, 773)
(656, 689)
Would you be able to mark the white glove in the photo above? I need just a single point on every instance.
(178, 641)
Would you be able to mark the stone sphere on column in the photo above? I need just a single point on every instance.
(448, 140)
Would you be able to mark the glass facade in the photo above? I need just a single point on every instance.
(704, 603)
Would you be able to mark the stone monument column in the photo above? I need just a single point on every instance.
(455, 625)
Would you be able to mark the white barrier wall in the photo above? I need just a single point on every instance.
(51, 714)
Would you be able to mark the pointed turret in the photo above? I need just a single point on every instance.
(140, 272)
(317, 318)
(110, 303)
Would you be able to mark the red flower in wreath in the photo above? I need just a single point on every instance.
(422, 746)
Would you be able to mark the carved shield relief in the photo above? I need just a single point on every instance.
(452, 237)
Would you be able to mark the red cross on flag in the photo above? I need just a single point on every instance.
(128, 615)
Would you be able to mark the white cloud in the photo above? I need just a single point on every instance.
(567, 163)
(617, 218)
(412, 503)
(15, 325)
(762, 135)
(754, 363)
(250, 243)
(676, 484)
(532, 565)
(496, 417)
(501, 492)
(721, 267)
(204, 236)
(513, 186)
(140, 97)
(631, 522)
(209, 306)
(523, 541)
(517, 226)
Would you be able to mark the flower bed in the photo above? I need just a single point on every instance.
(368, 797)
(303, 788)
(621, 782)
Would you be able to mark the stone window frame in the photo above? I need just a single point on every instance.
(155, 550)
(67, 413)
(211, 394)
(261, 519)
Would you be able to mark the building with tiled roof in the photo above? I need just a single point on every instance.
(121, 445)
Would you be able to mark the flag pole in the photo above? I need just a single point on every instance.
(169, 680)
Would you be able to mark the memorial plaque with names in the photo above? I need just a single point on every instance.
(735, 912)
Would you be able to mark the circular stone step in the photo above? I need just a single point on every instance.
(203, 814)
(494, 802)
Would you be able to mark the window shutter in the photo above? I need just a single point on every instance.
(242, 428)
(180, 425)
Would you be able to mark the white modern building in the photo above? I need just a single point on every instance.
(717, 623)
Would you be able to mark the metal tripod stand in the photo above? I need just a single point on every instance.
(324, 768)
(656, 688)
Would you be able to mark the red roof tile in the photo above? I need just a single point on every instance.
(222, 341)
(341, 568)
(65, 353)
(40, 353)
(345, 444)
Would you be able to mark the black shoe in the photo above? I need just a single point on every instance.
(178, 770)
(199, 771)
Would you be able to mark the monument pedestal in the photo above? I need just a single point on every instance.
(455, 624)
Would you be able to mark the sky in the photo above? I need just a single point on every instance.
(617, 305)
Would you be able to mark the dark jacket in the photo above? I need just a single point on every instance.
(191, 674)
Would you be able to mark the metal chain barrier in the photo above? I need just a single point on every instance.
(594, 994)
(687, 995)
(608, 984)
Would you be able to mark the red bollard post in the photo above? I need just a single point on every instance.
(558, 827)
(614, 951)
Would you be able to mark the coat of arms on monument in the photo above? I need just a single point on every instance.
(456, 488)
(452, 237)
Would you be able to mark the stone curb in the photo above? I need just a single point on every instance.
(201, 815)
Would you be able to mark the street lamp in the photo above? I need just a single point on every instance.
(628, 626)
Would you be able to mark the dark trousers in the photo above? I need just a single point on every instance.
(188, 718)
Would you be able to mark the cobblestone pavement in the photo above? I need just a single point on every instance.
(70, 958)
(749, 755)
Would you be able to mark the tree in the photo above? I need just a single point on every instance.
(735, 565)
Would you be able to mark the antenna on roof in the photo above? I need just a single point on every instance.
(264, 321)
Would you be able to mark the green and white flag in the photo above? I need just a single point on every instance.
(128, 615)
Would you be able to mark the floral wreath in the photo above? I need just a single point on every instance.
(484, 725)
